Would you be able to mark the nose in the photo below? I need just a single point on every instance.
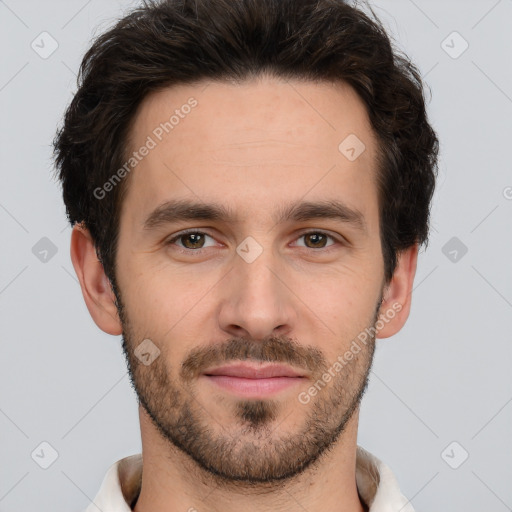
(256, 300)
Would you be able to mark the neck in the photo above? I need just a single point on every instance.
(173, 482)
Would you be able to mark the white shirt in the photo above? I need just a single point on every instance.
(375, 482)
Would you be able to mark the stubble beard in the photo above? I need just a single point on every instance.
(252, 451)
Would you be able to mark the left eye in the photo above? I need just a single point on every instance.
(317, 239)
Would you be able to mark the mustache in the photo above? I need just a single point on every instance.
(272, 349)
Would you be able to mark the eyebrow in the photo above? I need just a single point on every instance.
(184, 209)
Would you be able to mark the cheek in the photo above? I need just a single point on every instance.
(160, 299)
(340, 305)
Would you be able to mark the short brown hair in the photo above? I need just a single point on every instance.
(170, 42)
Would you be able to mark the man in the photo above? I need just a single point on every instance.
(249, 183)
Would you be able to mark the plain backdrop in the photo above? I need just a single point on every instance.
(438, 409)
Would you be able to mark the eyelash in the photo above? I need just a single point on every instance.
(199, 251)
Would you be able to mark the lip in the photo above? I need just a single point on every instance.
(251, 381)
(251, 371)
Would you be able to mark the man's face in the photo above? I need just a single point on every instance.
(255, 288)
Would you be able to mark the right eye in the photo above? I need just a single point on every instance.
(190, 241)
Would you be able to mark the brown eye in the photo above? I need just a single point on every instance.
(196, 240)
(191, 240)
(315, 240)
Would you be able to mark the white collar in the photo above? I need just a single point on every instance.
(375, 481)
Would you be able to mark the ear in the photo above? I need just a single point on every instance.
(96, 288)
(396, 304)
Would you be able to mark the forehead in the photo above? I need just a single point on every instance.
(251, 141)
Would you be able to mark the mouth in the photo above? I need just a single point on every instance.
(254, 381)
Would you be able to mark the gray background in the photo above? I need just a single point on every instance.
(444, 378)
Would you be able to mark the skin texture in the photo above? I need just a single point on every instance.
(253, 147)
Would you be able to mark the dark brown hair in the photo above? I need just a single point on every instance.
(169, 42)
